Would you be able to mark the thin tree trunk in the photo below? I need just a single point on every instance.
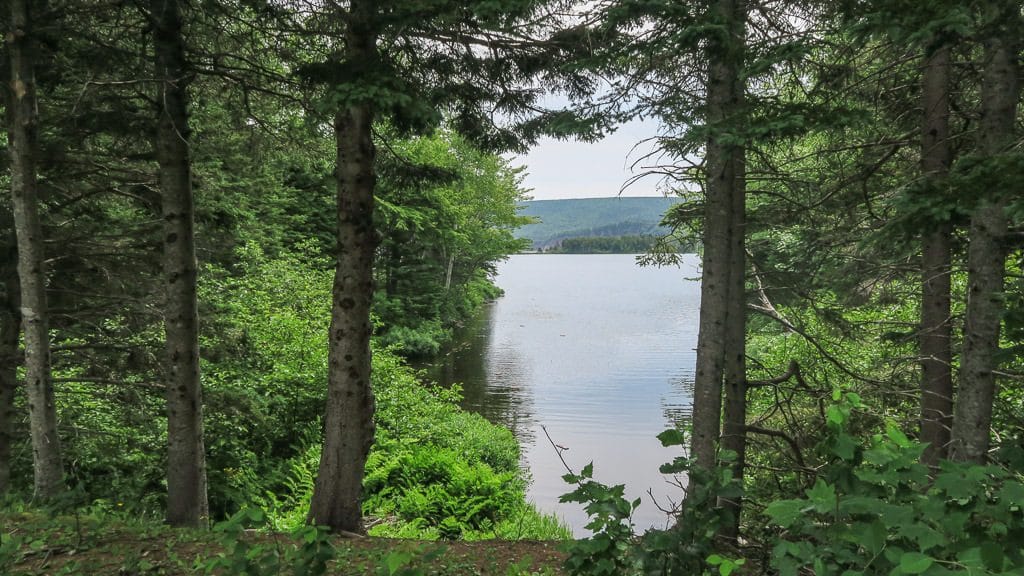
(448, 273)
(934, 339)
(186, 462)
(46, 453)
(734, 434)
(721, 160)
(9, 327)
(986, 253)
(348, 421)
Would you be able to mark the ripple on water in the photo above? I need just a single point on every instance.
(599, 351)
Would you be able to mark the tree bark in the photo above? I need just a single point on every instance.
(934, 338)
(734, 431)
(348, 421)
(986, 252)
(46, 452)
(10, 321)
(723, 165)
(186, 462)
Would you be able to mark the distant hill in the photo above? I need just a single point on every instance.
(590, 217)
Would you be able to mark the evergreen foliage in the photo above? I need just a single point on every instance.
(813, 110)
(606, 245)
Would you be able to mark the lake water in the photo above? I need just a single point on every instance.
(597, 350)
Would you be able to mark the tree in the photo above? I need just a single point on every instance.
(348, 420)
(724, 191)
(734, 412)
(433, 64)
(9, 331)
(936, 325)
(986, 258)
(22, 126)
(186, 476)
(445, 212)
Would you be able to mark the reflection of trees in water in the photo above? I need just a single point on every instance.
(506, 400)
(493, 378)
(679, 414)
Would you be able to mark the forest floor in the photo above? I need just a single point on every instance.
(70, 545)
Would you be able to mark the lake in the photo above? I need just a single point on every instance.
(597, 350)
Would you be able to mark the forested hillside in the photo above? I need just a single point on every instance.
(229, 222)
(557, 220)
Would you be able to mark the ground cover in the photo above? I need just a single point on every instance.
(39, 544)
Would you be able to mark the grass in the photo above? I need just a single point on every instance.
(36, 543)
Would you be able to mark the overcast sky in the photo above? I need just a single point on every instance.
(568, 169)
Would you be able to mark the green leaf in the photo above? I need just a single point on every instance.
(588, 471)
(1012, 494)
(896, 435)
(395, 560)
(835, 416)
(844, 446)
(785, 512)
(875, 536)
(923, 535)
(992, 555)
(672, 437)
(823, 496)
(915, 562)
(255, 514)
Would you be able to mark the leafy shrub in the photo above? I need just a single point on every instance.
(875, 510)
(684, 549)
(307, 555)
(422, 341)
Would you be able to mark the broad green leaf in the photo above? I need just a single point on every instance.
(923, 535)
(896, 435)
(672, 437)
(823, 496)
(915, 562)
(588, 471)
(992, 555)
(875, 536)
(844, 446)
(835, 416)
(1012, 494)
(785, 512)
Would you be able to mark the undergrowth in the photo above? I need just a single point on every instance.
(873, 510)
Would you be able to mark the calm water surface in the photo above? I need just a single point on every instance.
(599, 351)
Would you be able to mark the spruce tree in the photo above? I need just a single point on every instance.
(22, 134)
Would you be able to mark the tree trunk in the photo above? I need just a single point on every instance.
(934, 339)
(46, 453)
(734, 434)
(722, 160)
(348, 421)
(9, 327)
(186, 462)
(448, 272)
(986, 257)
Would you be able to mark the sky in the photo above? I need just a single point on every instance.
(568, 169)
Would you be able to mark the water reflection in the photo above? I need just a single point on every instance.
(599, 351)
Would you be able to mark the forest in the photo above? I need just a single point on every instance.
(605, 245)
(556, 220)
(231, 223)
